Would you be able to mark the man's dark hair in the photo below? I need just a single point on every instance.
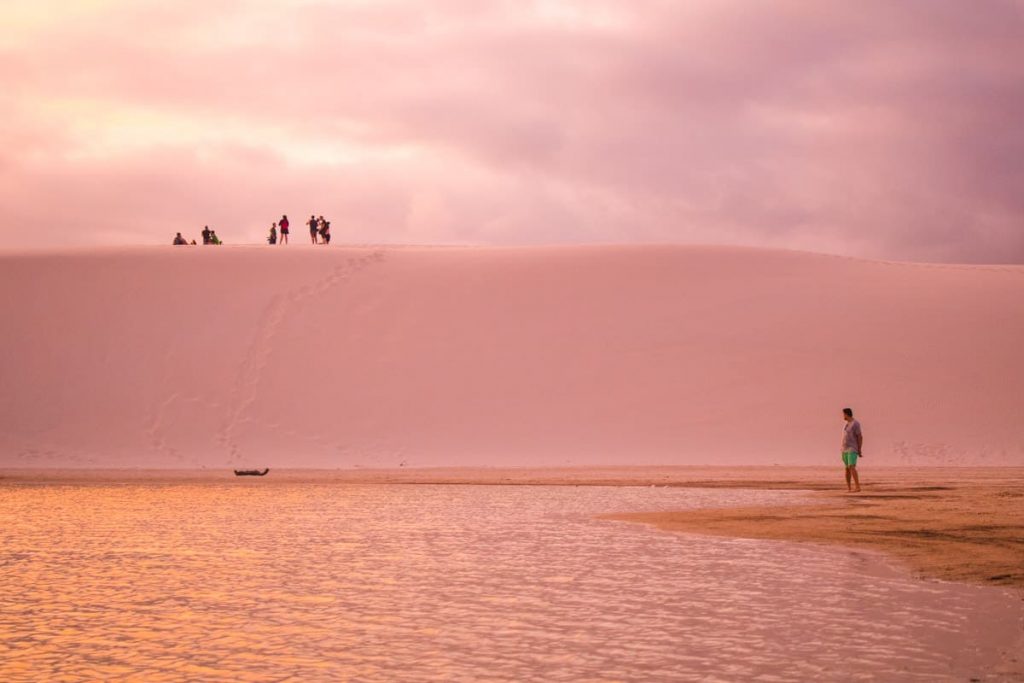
(848, 412)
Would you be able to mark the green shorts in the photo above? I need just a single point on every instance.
(850, 458)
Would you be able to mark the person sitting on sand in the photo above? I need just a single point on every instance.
(853, 445)
(178, 240)
(284, 229)
(272, 239)
(213, 237)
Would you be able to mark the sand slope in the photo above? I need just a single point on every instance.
(374, 356)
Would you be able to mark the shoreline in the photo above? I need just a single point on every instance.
(950, 523)
(788, 477)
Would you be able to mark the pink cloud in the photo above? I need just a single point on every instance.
(885, 130)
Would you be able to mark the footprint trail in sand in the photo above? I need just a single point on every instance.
(260, 349)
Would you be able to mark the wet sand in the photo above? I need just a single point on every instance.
(957, 524)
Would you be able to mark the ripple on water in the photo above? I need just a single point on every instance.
(326, 582)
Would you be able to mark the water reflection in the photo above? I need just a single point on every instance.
(258, 581)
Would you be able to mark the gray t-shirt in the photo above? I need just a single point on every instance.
(851, 436)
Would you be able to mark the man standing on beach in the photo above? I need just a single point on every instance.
(853, 444)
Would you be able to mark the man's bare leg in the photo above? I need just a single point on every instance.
(848, 488)
(856, 479)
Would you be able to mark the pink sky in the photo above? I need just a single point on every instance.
(876, 128)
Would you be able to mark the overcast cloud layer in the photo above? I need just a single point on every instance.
(871, 128)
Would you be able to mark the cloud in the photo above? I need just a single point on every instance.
(886, 129)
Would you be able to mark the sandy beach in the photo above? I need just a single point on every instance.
(956, 524)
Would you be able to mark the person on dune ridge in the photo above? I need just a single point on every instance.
(853, 446)
(284, 229)
(313, 225)
(325, 230)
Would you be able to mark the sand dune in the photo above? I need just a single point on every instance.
(375, 356)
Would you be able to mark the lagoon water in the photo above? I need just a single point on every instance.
(264, 580)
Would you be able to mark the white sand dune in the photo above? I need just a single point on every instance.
(373, 356)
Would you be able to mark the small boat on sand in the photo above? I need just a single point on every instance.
(251, 473)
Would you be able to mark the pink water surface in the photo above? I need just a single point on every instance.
(259, 580)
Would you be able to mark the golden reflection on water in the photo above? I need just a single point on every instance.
(265, 581)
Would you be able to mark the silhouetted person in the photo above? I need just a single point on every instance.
(284, 229)
(325, 231)
(272, 239)
(853, 447)
(179, 240)
(206, 234)
(312, 228)
(213, 237)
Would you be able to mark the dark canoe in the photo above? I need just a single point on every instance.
(251, 473)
